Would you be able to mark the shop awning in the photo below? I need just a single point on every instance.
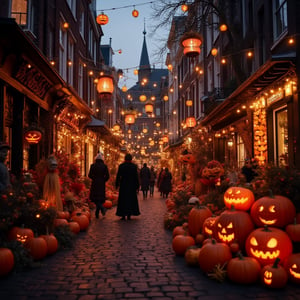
(269, 73)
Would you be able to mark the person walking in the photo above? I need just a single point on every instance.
(127, 181)
(99, 174)
(145, 180)
(160, 175)
(152, 180)
(166, 183)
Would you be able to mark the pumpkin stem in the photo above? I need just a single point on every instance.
(271, 195)
(240, 255)
(276, 262)
(266, 228)
(232, 208)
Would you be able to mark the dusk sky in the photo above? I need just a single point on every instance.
(127, 34)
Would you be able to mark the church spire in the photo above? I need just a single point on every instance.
(144, 61)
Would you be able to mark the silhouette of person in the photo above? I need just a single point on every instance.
(145, 180)
(127, 181)
(152, 180)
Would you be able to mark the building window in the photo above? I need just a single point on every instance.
(80, 79)
(281, 136)
(63, 53)
(280, 17)
(19, 11)
(81, 22)
(72, 5)
(241, 151)
(70, 61)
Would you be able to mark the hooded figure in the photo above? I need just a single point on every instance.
(127, 181)
(99, 175)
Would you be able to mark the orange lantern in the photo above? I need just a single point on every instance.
(166, 98)
(135, 71)
(143, 98)
(191, 43)
(190, 122)
(124, 88)
(223, 27)
(165, 139)
(105, 85)
(214, 51)
(33, 136)
(184, 7)
(189, 102)
(135, 13)
(149, 108)
(102, 19)
(130, 117)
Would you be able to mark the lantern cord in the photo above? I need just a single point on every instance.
(126, 6)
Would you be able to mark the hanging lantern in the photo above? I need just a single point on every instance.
(184, 7)
(33, 136)
(130, 117)
(135, 13)
(102, 19)
(190, 122)
(189, 102)
(223, 27)
(116, 127)
(135, 71)
(124, 88)
(165, 139)
(149, 108)
(143, 98)
(166, 98)
(191, 43)
(214, 51)
(145, 130)
(105, 85)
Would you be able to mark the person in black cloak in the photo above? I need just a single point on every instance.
(99, 174)
(127, 181)
(145, 176)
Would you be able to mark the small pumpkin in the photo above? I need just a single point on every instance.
(181, 242)
(274, 275)
(7, 261)
(178, 230)
(209, 228)
(191, 256)
(275, 211)
(60, 222)
(213, 254)
(74, 227)
(107, 204)
(52, 243)
(82, 220)
(197, 215)
(293, 231)
(20, 234)
(37, 247)
(238, 197)
(292, 266)
(243, 270)
(268, 243)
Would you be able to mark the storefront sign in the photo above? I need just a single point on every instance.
(274, 97)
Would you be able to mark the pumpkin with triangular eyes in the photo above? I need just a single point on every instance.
(267, 244)
(275, 211)
(292, 266)
(238, 197)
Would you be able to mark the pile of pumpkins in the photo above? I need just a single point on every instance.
(43, 245)
(250, 241)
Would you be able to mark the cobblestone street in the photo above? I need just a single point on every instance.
(132, 259)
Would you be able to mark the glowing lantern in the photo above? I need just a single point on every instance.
(189, 102)
(166, 98)
(191, 43)
(209, 227)
(143, 98)
(102, 19)
(33, 136)
(116, 127)
(149, 108)
(135, 13)
(267, 244)
(165, 139)
(238, 197)
(184, 7)
(124, 88)
(214, 51)
(190, 122)
(136, 71)
(130, 117)
(170, 67)
(105, 85)
(223, 27)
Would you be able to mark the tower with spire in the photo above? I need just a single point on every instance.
(144, 67)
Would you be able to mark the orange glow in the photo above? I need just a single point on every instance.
(105, 85)
(102, 19)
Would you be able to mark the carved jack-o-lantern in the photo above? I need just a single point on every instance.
(240, 198)
(233, 226)
(33, 136)
(267, 244)
(20, 234)
(275, 211)
(209, 227)
(292, 266)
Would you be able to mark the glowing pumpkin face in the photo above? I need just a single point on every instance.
(239, 198)
(292, 267)
(267, 244)
(233, 226)
(277, 211)
(209, 228)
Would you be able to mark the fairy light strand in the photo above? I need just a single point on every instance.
(126, 6)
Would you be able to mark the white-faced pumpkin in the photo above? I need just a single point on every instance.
(238, 197)
(267, 244)
(233, 226)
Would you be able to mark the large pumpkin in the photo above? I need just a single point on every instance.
(52, 243)
(292, 266)
(233, 226)
(20, 234)
(6, 261)
(243, 270)
(275, 211)
(267, 244)
(37, 247)
(196, 218)
(181, 242)
(238, 197)
(213, 254)
(274, 275)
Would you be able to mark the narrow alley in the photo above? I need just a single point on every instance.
(132, 259)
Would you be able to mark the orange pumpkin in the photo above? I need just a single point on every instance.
(20, 234)
(293, 231)
(292, 266)
(37, 247)
(60, 222)
(191, 256)
(52, 243)
(209, 227)
(238, 197)
(196, 218)
(181, 242)
(82, 220)
(178, 230)
(107, 204)
(275, 211)
(7, 261)
(74, 227)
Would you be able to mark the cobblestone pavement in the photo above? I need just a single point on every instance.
(132, 259)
